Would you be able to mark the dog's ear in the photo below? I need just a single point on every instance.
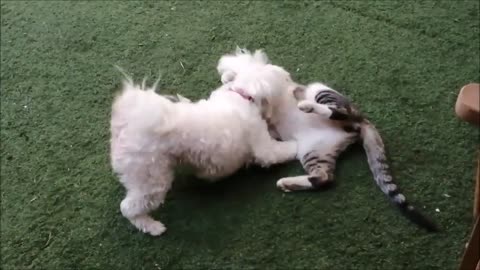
(261, 56)
(228, 76)
(298, 92)
(266, 109)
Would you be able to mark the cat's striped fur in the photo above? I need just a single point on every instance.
(320, 165)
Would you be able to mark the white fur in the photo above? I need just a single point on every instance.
(229, 65)
(150, 136)
(310, 130)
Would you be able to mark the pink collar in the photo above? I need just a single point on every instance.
(242, 93)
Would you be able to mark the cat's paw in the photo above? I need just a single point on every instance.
(306, 106)
(296, 183)
(289, 184)
(282, 185)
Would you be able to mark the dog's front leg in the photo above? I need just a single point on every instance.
(268, 151)
(274, 133)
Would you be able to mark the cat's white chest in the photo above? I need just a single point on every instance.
(309, 130)
(297, 123)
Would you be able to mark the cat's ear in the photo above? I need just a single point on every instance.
(298, 92)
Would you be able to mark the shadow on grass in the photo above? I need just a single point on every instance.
(209, 213)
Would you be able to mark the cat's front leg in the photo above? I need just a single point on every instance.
(327, 111)
(308, 106)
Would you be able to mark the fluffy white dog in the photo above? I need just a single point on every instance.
(151, 135)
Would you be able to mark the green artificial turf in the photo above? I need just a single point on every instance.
(402, 62)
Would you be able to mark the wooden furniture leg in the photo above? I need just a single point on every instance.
(476, 206)
(467, 108)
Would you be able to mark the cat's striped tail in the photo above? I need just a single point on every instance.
(375, 150)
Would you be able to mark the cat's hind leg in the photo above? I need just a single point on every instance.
(319, 163)
(320, 168)
(297, 183)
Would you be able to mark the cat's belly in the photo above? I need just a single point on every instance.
(319, 138)
(310, 131)
(298, 125)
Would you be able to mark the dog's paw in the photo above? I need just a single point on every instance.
(155, 228)
(306, 106)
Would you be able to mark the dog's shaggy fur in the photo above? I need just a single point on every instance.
(243, 60)
(151, 135)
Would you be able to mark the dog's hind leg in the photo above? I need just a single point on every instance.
(136, 207)
(145, 193)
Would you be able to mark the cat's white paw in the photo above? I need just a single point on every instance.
(306, 106)
(283, 185)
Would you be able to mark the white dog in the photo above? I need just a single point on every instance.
(151, 135)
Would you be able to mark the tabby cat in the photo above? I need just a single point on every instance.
(326, 124)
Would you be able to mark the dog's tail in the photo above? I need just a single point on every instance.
(128, 81)
(140, 105)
